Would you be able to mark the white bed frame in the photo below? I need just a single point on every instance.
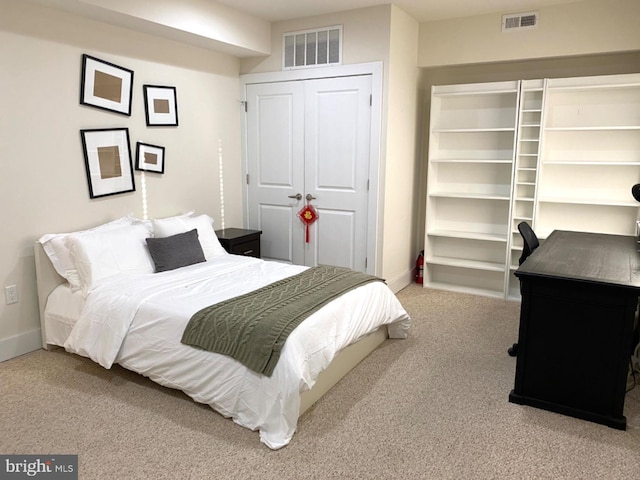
(48, 279)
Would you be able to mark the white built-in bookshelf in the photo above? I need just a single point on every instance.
(556, 153)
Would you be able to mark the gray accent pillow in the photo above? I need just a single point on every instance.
(176, 251)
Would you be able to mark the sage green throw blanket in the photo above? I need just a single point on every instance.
(253, 328)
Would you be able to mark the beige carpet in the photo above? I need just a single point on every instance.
(433, 406)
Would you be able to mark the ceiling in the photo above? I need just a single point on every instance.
(421, 10)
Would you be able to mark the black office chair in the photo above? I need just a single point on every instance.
(529, 239)
(530, 243)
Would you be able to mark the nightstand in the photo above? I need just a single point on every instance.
(240, 241)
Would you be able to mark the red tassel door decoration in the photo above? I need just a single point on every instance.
(307, 215)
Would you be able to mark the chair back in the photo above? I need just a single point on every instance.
(530, 241)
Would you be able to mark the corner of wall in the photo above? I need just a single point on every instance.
(401, 281)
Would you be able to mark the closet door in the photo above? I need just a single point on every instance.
(337, 138)
(275, 154)
(308, 142)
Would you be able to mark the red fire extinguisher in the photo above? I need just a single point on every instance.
(420, 267)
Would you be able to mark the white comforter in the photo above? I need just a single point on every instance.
(138, 321)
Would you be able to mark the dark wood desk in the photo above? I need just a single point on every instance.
(579, 297)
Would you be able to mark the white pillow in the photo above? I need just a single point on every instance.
(57, 251)
(165, 227)
(148, 223)
(105, 254)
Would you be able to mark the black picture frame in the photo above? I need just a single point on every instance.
(106, 86)
(107, 159)
(149, 158)
(160, 105)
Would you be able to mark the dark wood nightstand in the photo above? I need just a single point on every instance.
(240, 241)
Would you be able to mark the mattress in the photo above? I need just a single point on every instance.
(63, 310)
(138, 320)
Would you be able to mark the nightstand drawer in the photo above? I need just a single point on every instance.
(250, 249)
(240, 241)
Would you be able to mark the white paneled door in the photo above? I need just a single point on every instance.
(309, 142)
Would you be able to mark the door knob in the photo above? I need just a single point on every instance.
(297, 196)
(310, 197)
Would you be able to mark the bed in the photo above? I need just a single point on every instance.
(104, 296)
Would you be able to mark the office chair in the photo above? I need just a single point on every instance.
(530, 243)
(529, 239)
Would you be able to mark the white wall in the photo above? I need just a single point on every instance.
(43, 186)
(582, 28)
(402, 159)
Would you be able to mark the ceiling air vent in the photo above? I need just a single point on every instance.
(313, 48)
(519, 21)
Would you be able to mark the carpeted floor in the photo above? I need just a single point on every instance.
(433, 406)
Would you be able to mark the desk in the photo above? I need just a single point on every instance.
(579, 297)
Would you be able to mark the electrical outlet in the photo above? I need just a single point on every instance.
(11, 294)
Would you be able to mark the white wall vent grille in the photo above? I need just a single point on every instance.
(519, 21)
(312, 48)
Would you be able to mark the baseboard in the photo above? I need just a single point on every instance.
(401, 281)
(20, 344)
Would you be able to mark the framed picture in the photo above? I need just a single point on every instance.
(160, 106)
(149, 158)
(107, 159)
(106, 86)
